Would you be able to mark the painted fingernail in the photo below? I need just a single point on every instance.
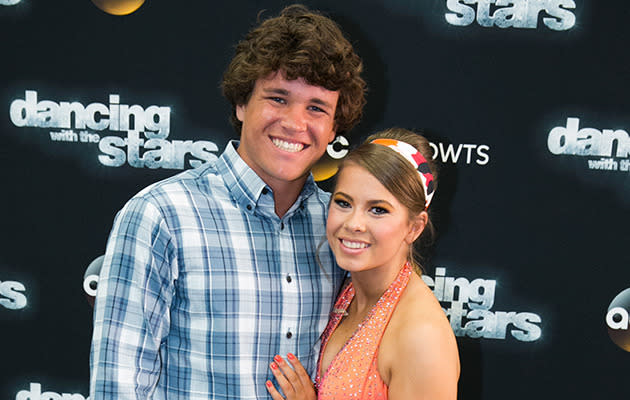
(290, 356)
(268, 383)
(273, 365)
(278, 358)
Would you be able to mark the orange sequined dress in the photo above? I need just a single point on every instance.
(353, 373)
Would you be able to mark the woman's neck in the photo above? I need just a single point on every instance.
(370, 285)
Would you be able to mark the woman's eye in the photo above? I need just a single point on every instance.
(342, 203)
(379, 210)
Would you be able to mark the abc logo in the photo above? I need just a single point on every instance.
(328, 165)
(617, 320)
(118, 7)
(90, 278)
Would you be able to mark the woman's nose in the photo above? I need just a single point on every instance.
(355, 223)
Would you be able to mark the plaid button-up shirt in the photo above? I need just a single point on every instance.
(202, 284)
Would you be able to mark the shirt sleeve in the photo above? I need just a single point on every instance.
(131, 312)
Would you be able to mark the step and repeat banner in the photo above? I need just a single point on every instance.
(525, 103)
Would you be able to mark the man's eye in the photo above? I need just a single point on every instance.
(277, 100)
(317, 109)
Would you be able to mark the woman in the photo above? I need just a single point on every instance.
(387, 337)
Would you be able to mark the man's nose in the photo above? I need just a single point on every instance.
(294, 119)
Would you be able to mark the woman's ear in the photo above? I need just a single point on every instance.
(416, 227)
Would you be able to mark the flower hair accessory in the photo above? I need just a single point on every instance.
(418, 162)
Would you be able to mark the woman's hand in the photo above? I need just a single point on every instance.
(294, 382)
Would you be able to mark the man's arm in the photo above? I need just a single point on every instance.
(131, 313)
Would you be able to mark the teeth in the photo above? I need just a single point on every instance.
(354, 245)
(286, 146)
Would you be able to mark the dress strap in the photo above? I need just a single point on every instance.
(355, 363)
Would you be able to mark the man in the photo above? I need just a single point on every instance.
(209, 274)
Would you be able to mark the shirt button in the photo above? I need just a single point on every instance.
(289, 335)
(265, 191)
(249, 207)
(289, 279)
(281, 225)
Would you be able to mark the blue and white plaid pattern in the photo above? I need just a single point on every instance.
(202, 283)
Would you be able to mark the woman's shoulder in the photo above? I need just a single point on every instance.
(420, 317)
(419, 336)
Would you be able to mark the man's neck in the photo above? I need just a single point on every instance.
(285, 194)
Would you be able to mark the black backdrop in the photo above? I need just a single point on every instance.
(527, 112)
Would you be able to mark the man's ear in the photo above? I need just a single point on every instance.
(240, 112)
(333, 133)
(417, 225)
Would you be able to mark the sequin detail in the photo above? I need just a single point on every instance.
(353, 373)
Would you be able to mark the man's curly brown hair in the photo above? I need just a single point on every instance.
(300, 43)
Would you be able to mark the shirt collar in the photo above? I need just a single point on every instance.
(244, 184)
